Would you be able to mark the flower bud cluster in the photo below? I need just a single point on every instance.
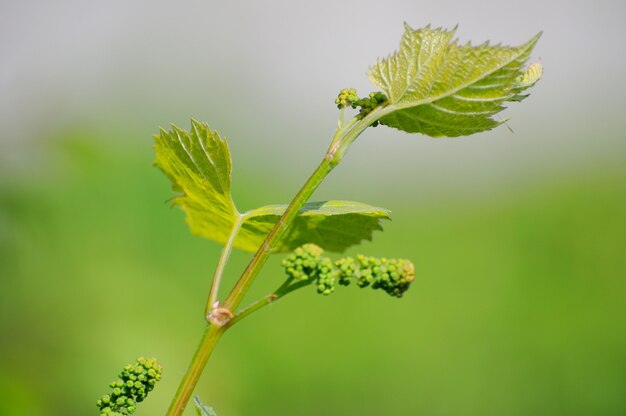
(394, 276)
(326, 277)
(369, 103)
(132, 387)
(307, 263)
(346, 97)
(349, 97)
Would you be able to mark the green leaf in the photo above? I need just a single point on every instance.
(439, 88)
(198, 164)
(332, 225)
(203, 409)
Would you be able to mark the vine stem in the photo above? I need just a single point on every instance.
(211, 335)
(242, 285)
(338, 147)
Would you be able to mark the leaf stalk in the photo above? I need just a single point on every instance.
(221, 264)
(283, 290)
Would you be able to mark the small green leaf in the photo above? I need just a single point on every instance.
(203, 409)
(439, 88)
(332, 225)
(198, 164)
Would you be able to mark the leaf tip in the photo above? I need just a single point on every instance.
(533, 41)
(159, 136)
(453, 30)
(196, 124)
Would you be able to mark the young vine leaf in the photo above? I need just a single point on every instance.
(198, 163)
(333, 225)
(439, 88)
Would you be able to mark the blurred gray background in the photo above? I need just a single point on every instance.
(268, 68)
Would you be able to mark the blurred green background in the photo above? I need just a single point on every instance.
(518, 238)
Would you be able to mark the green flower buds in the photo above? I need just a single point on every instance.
(393, 276)
(325, 276)
(307, 263)
(368, 104)
(346, 97)
(349, 97)
(304, 263)
(134, 384)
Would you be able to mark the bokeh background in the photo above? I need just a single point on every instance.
(519, 237)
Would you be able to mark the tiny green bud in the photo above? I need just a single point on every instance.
(346, 96)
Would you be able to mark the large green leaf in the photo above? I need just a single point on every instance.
(198, 163)
(439, 88)
(332, 225)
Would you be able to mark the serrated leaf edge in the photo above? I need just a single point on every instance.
(390, 108)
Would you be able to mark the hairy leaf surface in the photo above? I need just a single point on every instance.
(439, 88)
(332, 225)
(198, 163)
